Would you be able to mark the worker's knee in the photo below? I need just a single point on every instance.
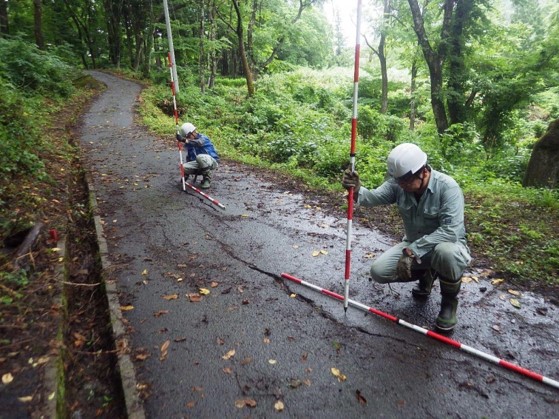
(379, 274)
(205, 162)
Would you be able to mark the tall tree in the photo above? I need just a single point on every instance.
(239, 30)
(435, 56)
(4, 22)
(38, 26)
(113, 14)
(380, 52)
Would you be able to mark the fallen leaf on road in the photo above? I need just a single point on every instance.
(171, 297)
(7, 378)
(229, 354)
(25, 399)
(514, 292)
(160, 313)
(515, 303)
(126, 308)
(214, 284)
(293, 295)
(204, 291)
(142, 357)
(295, 383)
(245, 402)
(145, 272)
(266, 340)
(360, 398)
(336, 373)
(272, 361)
(164, 349)
(194, 298)
(279, 406)
(228, 370)
(497, 281)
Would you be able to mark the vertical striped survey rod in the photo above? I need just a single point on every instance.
(437, 336)
(176, 117)
(352, 155)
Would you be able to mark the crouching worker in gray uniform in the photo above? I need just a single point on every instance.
(431, 205)
(201, 156)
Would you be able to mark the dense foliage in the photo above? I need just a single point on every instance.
(32, 84)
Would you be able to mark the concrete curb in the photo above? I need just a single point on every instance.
(134, 405)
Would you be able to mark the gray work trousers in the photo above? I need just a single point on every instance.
(202, 164)
(448, 259)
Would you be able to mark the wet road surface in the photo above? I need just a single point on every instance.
(255, 340)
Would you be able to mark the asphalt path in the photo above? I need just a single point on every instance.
(215, 332)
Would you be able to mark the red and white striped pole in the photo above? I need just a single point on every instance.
(437, 336)
(176, 116)
(352, 155)
(185, 184)
(209, 198)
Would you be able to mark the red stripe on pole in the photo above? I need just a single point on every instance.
(347, 263)
(353, 135)
(383, 314)
(333, 295)
(292, 278)
(209, 198)
(437, 336)
(520, 370)
(356, 69)
(444, 339)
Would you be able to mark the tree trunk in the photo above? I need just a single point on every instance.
(113, 13)
(413, 92)
(434, 59)
(202, 48)
(543, 168)
(457, 74)
(4, 26)
(212, 37)
(242, 52)
(38, 24)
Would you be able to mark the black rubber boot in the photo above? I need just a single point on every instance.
(425, 284)
(206, 180)
(449, 303)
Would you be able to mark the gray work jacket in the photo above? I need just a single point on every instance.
(438, 216)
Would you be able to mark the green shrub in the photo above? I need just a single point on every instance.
(29, 69)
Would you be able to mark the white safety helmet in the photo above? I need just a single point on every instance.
(405, 159)
(186, 129)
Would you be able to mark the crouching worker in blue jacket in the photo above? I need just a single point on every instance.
(201, 156)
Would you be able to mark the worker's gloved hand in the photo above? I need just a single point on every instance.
(351, 179)
(180, 138)
(403, 269)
